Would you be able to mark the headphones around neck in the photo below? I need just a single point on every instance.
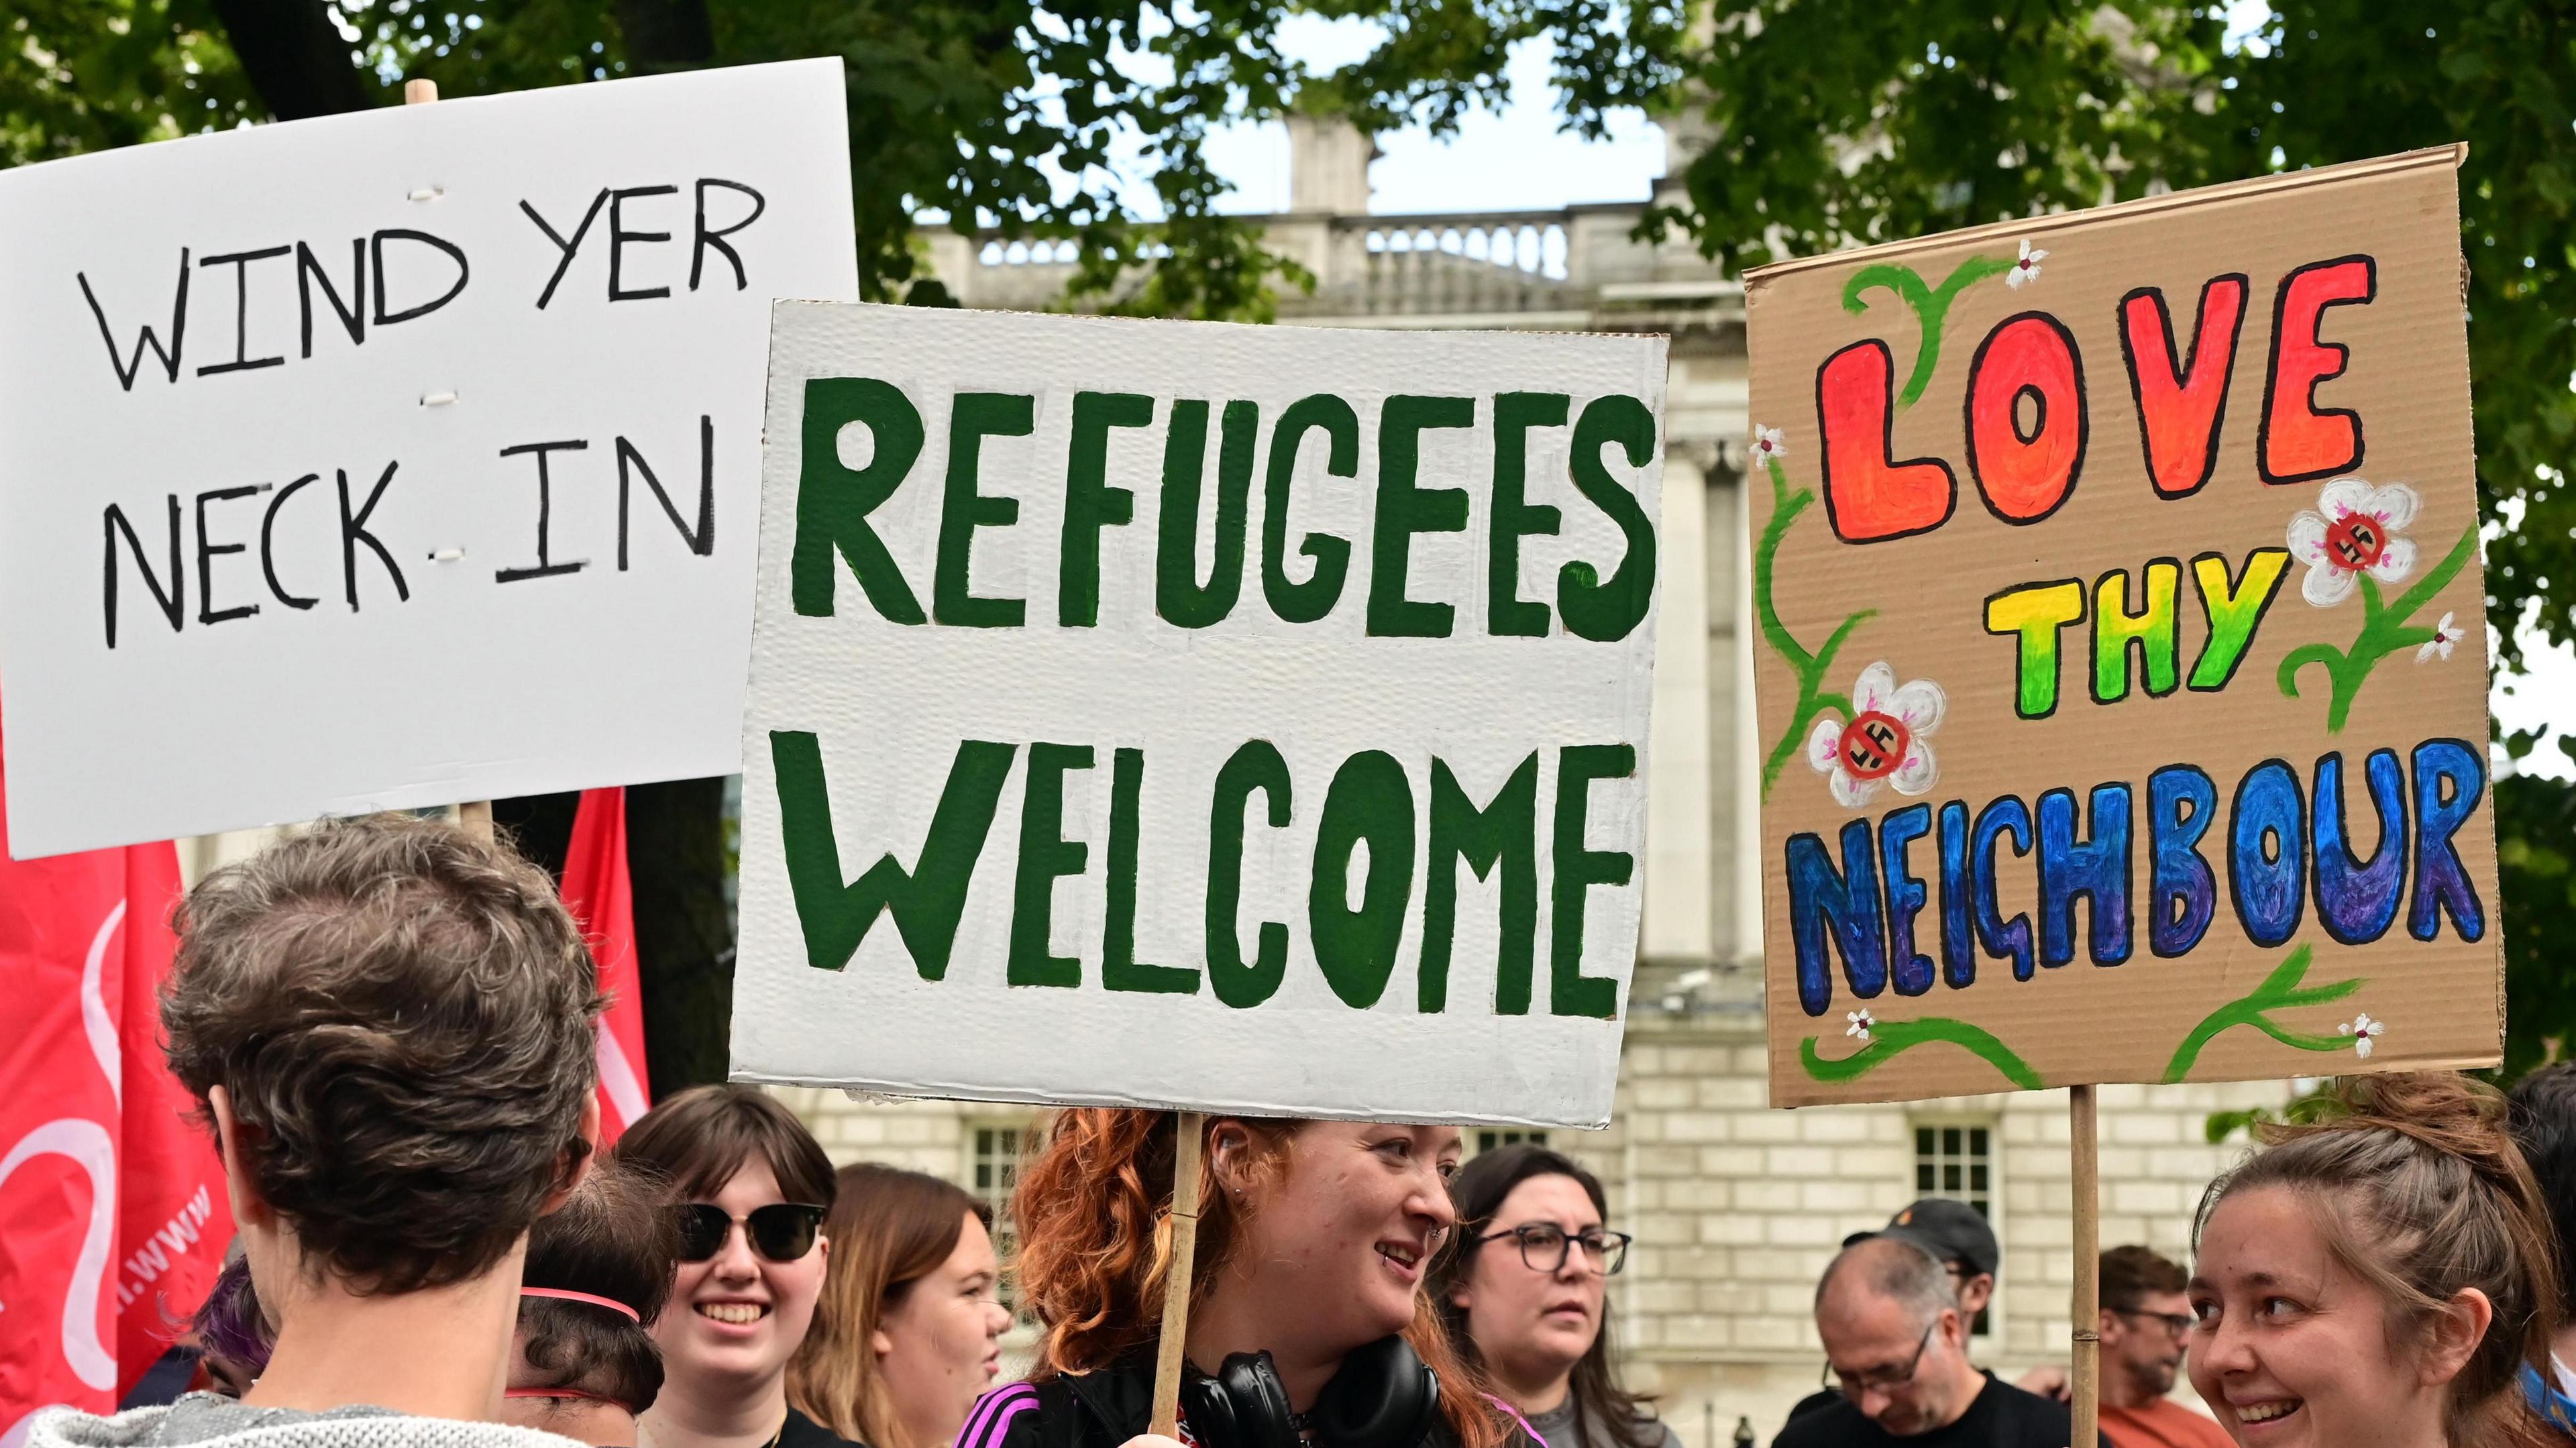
(1383, 1396)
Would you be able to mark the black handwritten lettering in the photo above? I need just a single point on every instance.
(386, 319)
(174, 599)
(618, 236)
(242, 360)
(353, 526)
(566, 247)
(268, 542)
(125, 370)
(546, 566)
(704, 237)
(308, 270)
(208, 550)
(702, 538)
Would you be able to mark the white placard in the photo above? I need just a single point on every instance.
(420, 448)
(1059, 719)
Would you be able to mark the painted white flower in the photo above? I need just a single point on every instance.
(1860, 1024)
(2362, 1028)
(2445, 635)
(1768, 445)
(2353, 531)
(2026, 269)
(1885, 740)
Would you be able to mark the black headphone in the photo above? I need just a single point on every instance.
(1383, 1396)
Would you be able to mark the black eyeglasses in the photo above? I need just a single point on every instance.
(781, 1231)
(2175, 1323)
(1882, 1380)
(1545, 1246)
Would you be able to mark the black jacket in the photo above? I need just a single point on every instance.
(1101, 1410)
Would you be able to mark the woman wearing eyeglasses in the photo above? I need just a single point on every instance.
(752, 1188)
(1524, 1294)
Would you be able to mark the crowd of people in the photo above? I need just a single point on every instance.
(388, 1023)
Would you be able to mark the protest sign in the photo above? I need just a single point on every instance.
(2122, 666)
(399, 458)
(1214, 717)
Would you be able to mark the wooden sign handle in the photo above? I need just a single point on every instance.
(2085, 1379)
(1190, 1126)
(474, 814)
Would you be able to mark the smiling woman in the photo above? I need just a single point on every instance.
(1307, 1314)
(2378, 1279)
(751, 1188)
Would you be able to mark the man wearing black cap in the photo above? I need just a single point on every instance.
(1957, 1236)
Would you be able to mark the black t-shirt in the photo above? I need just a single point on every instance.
(2002, 1416)
(803, 1432)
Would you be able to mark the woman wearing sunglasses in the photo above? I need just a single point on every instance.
(752, 1189)
(1524, 1294)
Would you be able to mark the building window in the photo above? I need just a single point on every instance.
(1487, 1138)
(991, 1174)
(1956, 1160)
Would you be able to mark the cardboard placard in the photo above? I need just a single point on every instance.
(2122, 668)
(1189, 715)
(420, 447)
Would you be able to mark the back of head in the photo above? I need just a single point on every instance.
(2422, 1194)
(889, 1228)
(695, 1140)
(612, 1238)
(400, 1016)
(2542, 1116)
(2131, 1275)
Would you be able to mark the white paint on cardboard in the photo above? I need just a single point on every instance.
(299, 678)
(887, 705)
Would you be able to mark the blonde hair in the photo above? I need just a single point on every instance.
(2419, 1192)
(888, 1228)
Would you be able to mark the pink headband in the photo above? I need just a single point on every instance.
(610, 1303)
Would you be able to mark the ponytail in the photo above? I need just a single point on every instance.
(2423, 1195)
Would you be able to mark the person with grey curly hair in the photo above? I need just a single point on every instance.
(388, 1024)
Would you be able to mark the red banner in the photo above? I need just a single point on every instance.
(602, 897)
(113, 1216)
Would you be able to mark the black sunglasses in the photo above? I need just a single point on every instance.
(781, 1231)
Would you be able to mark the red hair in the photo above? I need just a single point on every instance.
(1093, 1208)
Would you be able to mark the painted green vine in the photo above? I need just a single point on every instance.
(1810, 668)
(2384, 631)
(1931, 306)
(2283, 989)
(2279, 991)
(1888, 1040)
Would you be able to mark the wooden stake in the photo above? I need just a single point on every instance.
(474, 814)
(1190, 1126)
(2086, 1376)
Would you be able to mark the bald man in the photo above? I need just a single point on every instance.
(1896, 1349)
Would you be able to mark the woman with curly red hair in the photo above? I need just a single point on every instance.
(1308, 1320)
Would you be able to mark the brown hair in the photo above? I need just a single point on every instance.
(1479, 1189)
(401, 1015)
(611, 1238)
(697, 1139)
(889, 1228)
(2543, 1119)
(1093, 1209)
(2420, 1193)
(2131, 1274)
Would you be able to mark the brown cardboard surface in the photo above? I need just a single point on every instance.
(1857, 561)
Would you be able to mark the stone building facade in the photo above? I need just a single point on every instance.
(1736, 1208)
